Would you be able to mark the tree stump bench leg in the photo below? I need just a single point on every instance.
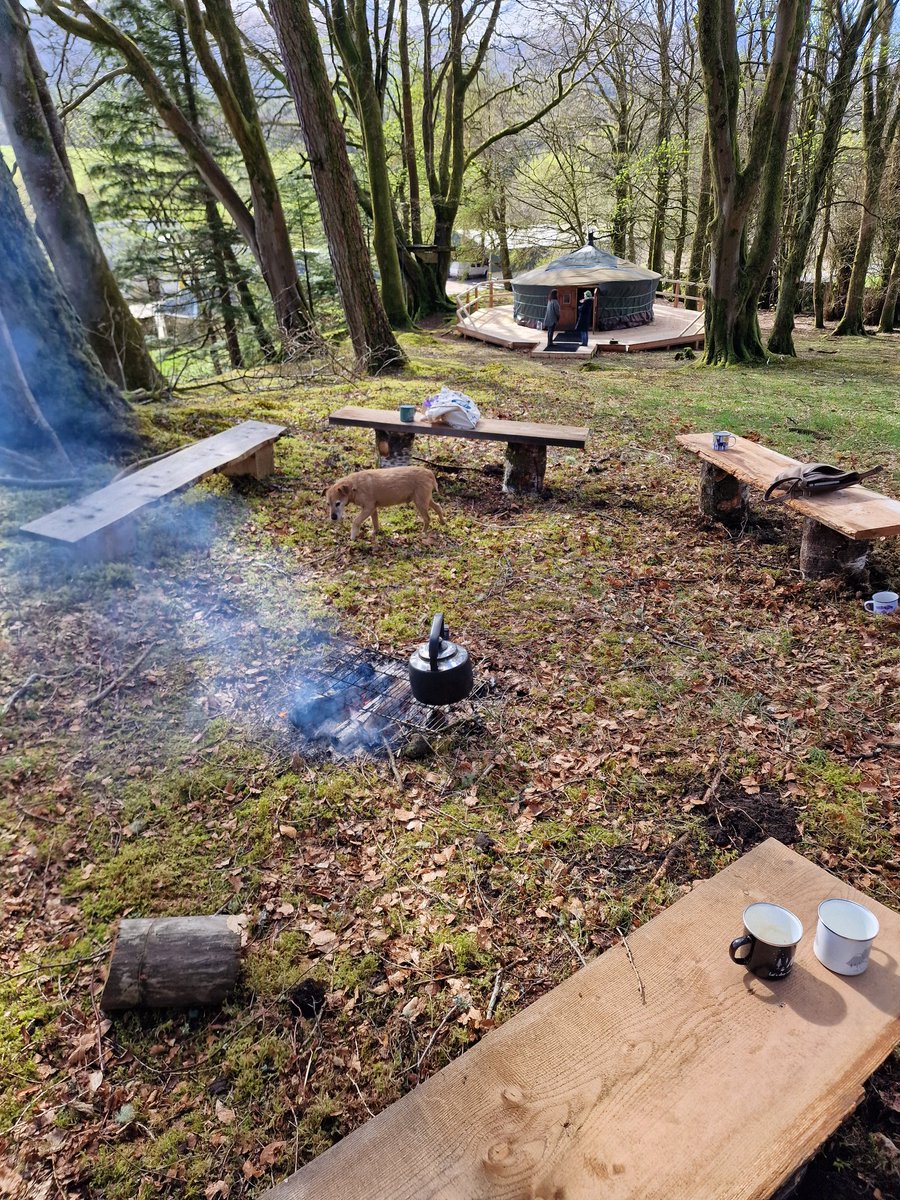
(523, 470)
(394, 449)
(825, 552)
(723, 498)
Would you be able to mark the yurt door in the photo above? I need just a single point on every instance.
(568, 307)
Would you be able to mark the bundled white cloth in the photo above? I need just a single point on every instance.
(452, 408)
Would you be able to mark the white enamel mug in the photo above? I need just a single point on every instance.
(844, 936)
(722, 440)
(882, 603)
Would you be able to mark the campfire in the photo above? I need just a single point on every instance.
(355, 702)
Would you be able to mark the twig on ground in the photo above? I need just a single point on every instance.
(19, 693)
(633, 965)
(667, 861)
(120, 679)
(454, 1010)
(575, 949)
(495, 994)
(393, 764)
(47, 966)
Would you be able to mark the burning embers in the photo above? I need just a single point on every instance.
(354, 702)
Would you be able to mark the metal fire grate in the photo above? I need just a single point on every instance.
(352, 702)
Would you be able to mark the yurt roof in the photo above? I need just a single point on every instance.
(589, 265)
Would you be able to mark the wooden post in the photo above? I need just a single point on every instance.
(113, 542)
(722, 497)
(258, 465)
(825, 552)
(394, 449)
(172, 962)
(676, 293)
(523, 470)
(490, 293)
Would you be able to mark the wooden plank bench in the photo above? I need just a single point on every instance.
(839, 526)
(100, 525)
(678, 1077)
(526, 441)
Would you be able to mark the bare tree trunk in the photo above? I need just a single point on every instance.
(370, 332)
(62, 372)
(63, 220)
(881, 119)
(818, 290)
(701, 230)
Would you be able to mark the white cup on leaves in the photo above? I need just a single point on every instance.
(882, 603)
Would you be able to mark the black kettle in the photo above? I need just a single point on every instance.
(440, 672)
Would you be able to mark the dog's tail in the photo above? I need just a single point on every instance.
(434, 480)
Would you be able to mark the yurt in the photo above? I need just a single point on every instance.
(623, 292)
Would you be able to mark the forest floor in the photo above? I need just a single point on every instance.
(638, 655)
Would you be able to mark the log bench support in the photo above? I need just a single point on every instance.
(394, 449)
(258, 465)
(825, 552)
(524, 468)
(723, 498)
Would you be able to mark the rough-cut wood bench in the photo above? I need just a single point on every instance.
(526, 442)
(839, 525)
(100, 525)
(700, 1083)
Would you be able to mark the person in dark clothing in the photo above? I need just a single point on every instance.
(585, 316)
(551, 317)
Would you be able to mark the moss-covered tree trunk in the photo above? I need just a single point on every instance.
(818, 284)
(738, 272)
(273, 256)
(62, 372)
(888, 318)
(410, 159)
(700, 240)
(350, 33)
(880, 123)
(63, 219)
(665, 17)
(234, 91)
(781, 339)
(370, 331)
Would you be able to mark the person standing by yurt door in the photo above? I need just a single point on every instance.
(551, 317)
(585, 316)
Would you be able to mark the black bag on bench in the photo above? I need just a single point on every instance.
(813, 479)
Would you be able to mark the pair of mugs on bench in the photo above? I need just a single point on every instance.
(844, 936)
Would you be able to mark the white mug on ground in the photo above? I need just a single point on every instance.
(882, 603)
(844, 936)
(722, 440)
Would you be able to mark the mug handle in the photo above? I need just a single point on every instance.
(746, 940)
(732, 440)
(869, 606)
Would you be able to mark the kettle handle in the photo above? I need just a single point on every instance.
(438, 632)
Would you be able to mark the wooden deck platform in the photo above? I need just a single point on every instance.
(675, 1075)
(672, 328)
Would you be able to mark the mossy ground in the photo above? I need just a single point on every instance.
(637, 653)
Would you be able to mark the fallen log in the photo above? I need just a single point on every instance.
(172, 962)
